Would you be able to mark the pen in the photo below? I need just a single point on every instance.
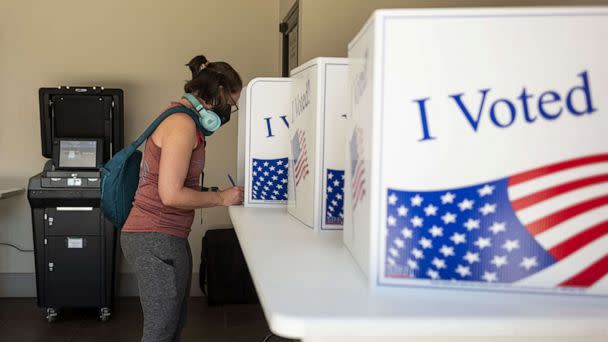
(231, 180)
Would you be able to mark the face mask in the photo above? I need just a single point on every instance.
(224, 114)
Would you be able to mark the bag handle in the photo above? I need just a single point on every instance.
(202, 280)
(148, 132)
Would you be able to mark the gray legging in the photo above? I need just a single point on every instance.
(163, 266)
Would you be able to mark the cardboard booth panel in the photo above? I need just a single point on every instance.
(318, 117)
(263, 141)
(484, 163)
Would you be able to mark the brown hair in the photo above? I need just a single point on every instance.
(213, 82)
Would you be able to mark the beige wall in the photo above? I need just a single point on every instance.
(326, 27)
(139, 46)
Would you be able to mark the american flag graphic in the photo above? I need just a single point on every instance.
(269, 179)
(547, 227)
(300, 155)
(334, 202)
(357, 166)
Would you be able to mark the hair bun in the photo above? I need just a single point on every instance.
(197, 64)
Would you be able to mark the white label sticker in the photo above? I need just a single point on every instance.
(74, 182)
(75, 242)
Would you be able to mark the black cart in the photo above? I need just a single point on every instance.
(75, 246)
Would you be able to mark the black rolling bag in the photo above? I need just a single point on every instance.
(224, 276)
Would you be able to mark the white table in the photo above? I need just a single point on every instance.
(310, 288)
(6, 193)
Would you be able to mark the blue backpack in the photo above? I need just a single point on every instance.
(120, 175)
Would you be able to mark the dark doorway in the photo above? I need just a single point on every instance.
(289, 31)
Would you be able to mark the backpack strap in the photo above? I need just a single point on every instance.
(154, 125)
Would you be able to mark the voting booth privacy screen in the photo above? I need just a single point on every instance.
(316, 142)
(477, 152)
(263, 143)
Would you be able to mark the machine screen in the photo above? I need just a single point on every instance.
(78, 153)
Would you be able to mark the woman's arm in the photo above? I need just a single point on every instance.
(178, 138)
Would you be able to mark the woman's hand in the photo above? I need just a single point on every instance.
(231, 196)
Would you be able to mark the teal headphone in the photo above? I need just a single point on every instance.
(209, 119)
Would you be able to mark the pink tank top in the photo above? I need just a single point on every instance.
(149, 214)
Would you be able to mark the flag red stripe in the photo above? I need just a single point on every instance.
(578, 241)
(358, 175)
(299, 179)
(299, 163)
(303, 172)
(358, 181)
(358, 198)
(302, 164)
(299, 166)
(542, 195)
(590, 275)
(545, 170)
(301, 158)
(361, 192)
(357, 193)
(549, 221)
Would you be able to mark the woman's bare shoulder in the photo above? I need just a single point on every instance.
(177, 125)
(179, 120)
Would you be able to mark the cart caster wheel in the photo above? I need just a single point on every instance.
(104, 314)
(51, 315)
